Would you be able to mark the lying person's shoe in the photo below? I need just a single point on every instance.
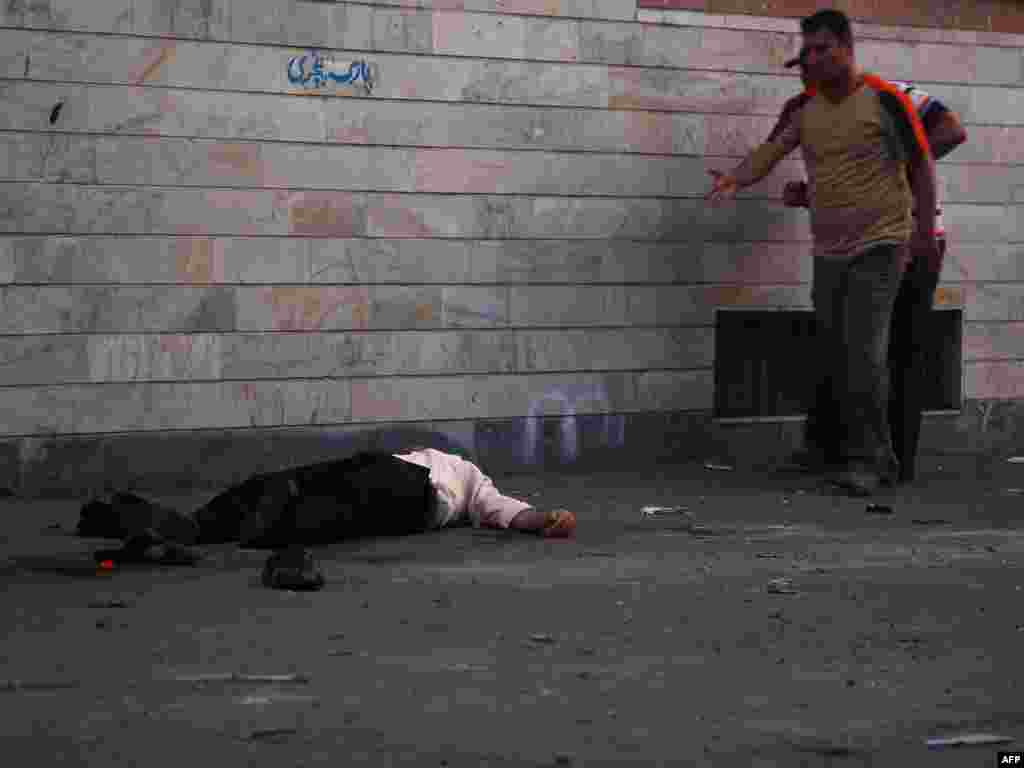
(857, 481)
(149, 548)
(121, 515)
(294, 569)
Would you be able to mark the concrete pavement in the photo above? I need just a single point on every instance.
(777, 623)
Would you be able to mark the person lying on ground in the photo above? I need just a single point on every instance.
(368, 494)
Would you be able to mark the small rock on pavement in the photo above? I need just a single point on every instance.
(109, 604)
(782, 587)
(541, 637)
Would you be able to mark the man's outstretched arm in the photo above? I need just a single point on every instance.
(756, 165)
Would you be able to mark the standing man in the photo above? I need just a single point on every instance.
(913, 302)
(859, 134)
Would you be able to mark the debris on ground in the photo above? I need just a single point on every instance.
(341, 652)
(719, 467)
(273, 735)
(879, 509)
(782, 587)
(109, 604)
(542, 638)
(968, 740)
(768, 555)
(702, 529)
(666, 511)
(235, 677)
(1015, 460)
(281, 697)
(1014, 491)
(930, 521)
(13, 686)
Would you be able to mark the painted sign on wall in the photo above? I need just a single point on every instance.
(313, 70)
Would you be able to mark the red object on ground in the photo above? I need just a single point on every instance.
(106, 565)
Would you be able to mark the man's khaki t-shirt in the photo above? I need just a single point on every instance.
(856, 153)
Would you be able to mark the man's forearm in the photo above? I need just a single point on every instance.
(746, 175)
(925, 198)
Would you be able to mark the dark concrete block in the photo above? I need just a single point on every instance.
(10, 465)
(54, 466)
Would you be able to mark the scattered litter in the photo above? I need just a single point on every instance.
(55, 112)
(879, 509)
(342, 652)
(465, 667)
(968, 740)
(666, 511)
(1015, 460)
(700, 529)
(586, 652)
(595, 553)
(768, 555)
(542, 638)
(109, 604)
(273, 735)
(930, 521)
(336, 636)
(104, 623)
(12, 686)
(234, 677)
(828, 749)
(282, 697)
(562, 759)
(1014, 491)
(782, 587)
(719, 467)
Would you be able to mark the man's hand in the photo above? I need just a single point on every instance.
(725, 187)
(924, 249)
(794, 194)
(559, 524)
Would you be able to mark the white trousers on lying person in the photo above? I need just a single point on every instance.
(464, 493)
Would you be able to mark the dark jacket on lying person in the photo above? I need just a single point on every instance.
(368, 494)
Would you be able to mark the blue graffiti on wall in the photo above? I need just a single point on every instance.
(314, 70)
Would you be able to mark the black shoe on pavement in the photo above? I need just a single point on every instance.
(293, 568)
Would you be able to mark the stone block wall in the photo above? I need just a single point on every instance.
(494, 236)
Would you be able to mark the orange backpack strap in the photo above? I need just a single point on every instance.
(884, 86)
